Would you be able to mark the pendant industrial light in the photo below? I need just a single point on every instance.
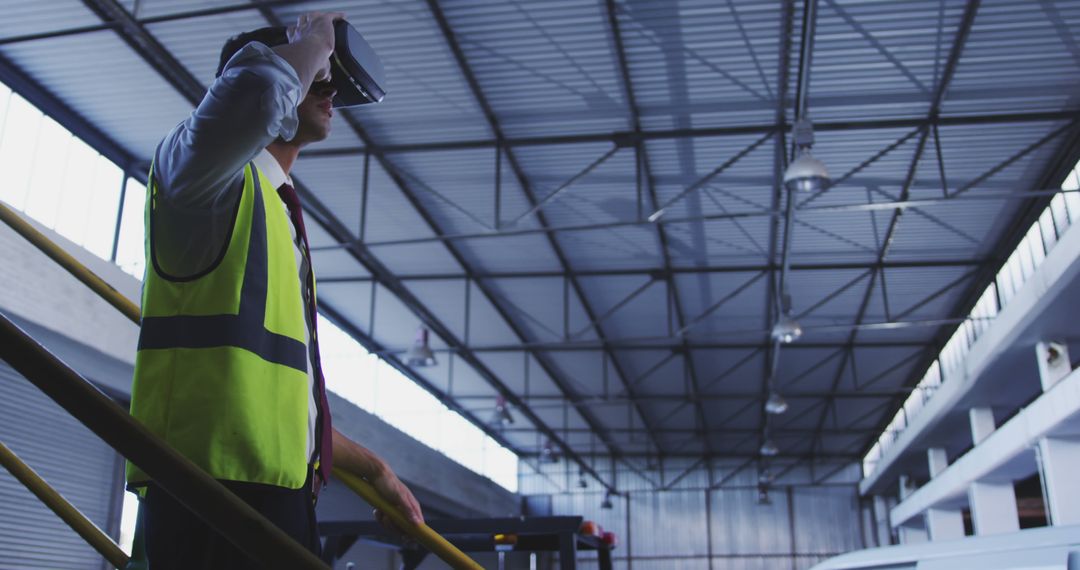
(769, 449)
(805, 173)
(420, 354)
(776, 404)
(548, 454)
(786, 330)
(501, 417)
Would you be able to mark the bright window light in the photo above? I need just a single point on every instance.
(130, 255)
(373, 385)
(1064, 210)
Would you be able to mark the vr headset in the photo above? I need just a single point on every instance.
(356, 71)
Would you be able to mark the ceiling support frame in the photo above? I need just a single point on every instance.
(636, 138)
(650, 192)
(493, 123)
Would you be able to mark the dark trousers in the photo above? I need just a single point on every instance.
(177, 539)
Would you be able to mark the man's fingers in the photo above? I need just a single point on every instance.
(416, 515)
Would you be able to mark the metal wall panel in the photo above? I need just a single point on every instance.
(826, 520)
(71, 459)
(670, 523)
(670, 517)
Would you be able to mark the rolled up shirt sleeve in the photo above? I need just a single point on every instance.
(251, 104)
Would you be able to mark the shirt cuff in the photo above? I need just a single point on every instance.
(284, 95)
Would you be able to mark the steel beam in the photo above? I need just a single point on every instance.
(474, 85)
(636, 138)
(135, 35)
(772, 307)
(891, 204)
(650, 190)
(691, 270)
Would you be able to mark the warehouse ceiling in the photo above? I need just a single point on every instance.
(582, 199)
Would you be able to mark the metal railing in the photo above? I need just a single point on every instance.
(63, 509)
(203, 495)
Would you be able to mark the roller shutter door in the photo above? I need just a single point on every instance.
(71, 459)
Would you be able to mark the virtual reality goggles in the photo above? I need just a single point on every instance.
(356, 71)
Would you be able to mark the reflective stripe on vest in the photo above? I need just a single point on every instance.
(242, 330)
(221, 368)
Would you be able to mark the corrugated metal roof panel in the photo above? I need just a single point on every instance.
(613, 248)
(545, 67)
(115, 89)
(700, 63)
(874, 60)
(24, 18)
(511, 253)
(1018, 56)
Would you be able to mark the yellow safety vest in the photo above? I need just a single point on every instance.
(221, 367)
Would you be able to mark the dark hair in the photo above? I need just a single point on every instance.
(271, 36)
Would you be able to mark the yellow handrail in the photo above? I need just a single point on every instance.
(422, 533)
(63, 509)
(432, 540)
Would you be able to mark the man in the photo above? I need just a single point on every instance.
(228, 368)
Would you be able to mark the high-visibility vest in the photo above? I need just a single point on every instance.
(221, 367)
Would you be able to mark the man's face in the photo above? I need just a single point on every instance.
(315, 112)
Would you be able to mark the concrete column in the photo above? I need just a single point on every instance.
(1060, 464)
(1054, 363)
(911, 534)
(905, 487)
(913, 531)
(993, 508)
(944, 524)
(937, 460)
(982, 424)
(881, 521)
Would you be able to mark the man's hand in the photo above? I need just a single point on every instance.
(392, 489)
(311, 41)
(358, 460)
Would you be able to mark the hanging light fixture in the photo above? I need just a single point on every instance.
(420, 354)
(763, 495)
(606, 504)
(786, 330)
(805, 173)
(501, 417)
(581, 482)
(766, 477)
(548, 453)
(769, 449)
(776, 404)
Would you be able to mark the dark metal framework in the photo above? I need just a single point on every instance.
(652, 424)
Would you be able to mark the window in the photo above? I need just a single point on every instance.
(1064, 209)
(56, 178)
(374, 385)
